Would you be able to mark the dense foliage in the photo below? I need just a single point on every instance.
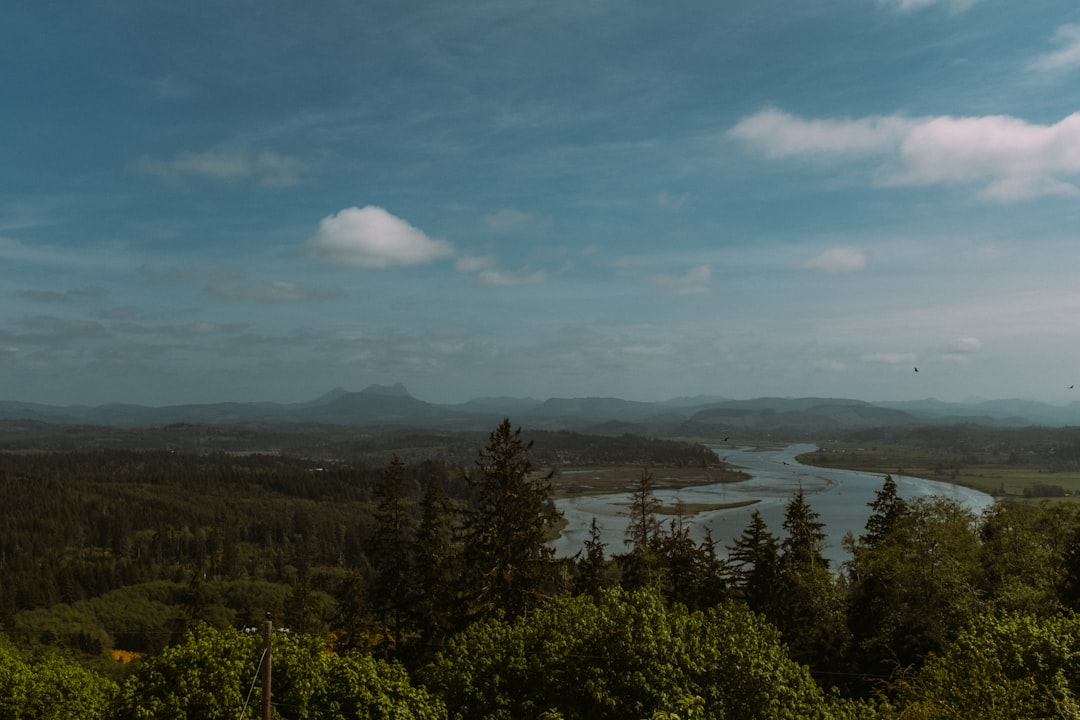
(426, 590)
(624, 655)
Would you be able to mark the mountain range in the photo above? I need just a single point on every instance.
(700, 416)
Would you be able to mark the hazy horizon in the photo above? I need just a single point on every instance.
(460, 401)
(233, 202)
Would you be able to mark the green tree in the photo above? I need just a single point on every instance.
(693, 574)
(206, 676)
(50, 687)
(311, 682)
(644, 529)
(1001, 667)
(437, 554)
(594, 569)
(392, 546)
(508, 563)
(888, 507)
(753, 562)
(809, 607)
(915, 590)
(1022, 555)
(803, 548)
(212, 674)
(353, 620)
(643, 565)
(625, 655)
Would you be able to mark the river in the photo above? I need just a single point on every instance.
(840, 497)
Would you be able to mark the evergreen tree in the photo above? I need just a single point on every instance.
(810, 606)
(887, 508)
(693, 573)
(508, 562)
(391, 546)
(643, 566)
(911, 593)
(804, 545)
(353, 620)
(437, 556)
(753, 561)
(644, 529)
(594, 570)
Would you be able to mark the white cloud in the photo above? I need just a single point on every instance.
(1008, 158)
(370, 237)
(780, 134)
(225, 164)
(838, 260)
(1065, 58)
(695, 281)
(507, 219)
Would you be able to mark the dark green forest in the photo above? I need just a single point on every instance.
(408, 584)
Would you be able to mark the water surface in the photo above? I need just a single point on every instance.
(840, 497)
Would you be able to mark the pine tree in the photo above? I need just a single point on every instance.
(887, 508)
(810, 612)
(437, 555)
(644, 529)
(643, 566)
(805, 542)
(391, 545)
(507, 559)
(754, 563)
(594, 569)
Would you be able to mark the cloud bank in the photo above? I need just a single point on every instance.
(1006, 158)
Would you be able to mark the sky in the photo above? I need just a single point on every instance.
(262, 200)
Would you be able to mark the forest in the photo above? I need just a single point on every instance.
(409, 587)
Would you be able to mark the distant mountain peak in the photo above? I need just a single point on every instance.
(395, 390)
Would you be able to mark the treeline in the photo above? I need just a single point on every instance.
(966, 444)
(222, 535)
(460, 610)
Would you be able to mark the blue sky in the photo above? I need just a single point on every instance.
(263, 200)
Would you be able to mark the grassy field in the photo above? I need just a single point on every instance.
(993, 474)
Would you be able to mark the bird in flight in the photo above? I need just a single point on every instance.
(916, 369)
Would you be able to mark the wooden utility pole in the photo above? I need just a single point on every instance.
(268, 631)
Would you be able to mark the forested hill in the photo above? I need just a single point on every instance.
(78, 523)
